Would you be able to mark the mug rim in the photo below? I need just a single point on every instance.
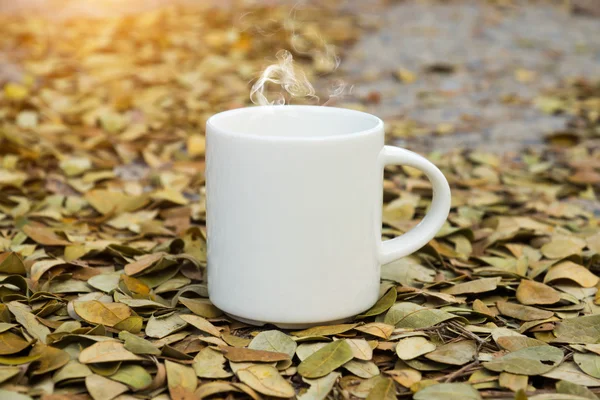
(378, 124)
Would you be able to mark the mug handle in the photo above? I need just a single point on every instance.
(418, 236)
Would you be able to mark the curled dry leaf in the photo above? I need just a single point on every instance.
(202, 324)
(574, 272)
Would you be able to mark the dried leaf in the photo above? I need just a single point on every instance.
(209, 364)
(361, 350)
(448, 391)
(138, 345)
(319, 388)
(457, 353)
(568, 371)
(476, 286)
(107, 352)
(95, 312)
(584, 329)
(51, 359)
(325, 330)
(101, 388)
(266, 379)
(589, 363)
(240, 354)
(274, 341)
(29, 321)
(11, 343)
(566, 387)
(325, 360)
(573, 272)
(384, 389)
(362, 369)
(201, 324)
(159, 327)
(201, 307)
(378, 329)
(134, 376)
(382, 305)
(527, 361)
(413, 347)
(531, 292)
(523, 313)
(181, 379)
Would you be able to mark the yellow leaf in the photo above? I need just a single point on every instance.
(95, 312)
(15, 91)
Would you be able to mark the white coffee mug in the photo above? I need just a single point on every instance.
(294, 200)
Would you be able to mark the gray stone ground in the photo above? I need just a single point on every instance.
(486, 45)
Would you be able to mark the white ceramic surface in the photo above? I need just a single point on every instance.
(294, 198)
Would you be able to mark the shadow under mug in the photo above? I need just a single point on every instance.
(294, 199)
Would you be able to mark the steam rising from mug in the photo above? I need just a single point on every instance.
(290, 77)
(286, 74)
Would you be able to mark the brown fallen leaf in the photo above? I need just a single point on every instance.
(202, 324)
(531, 292)
(107, 351)
(95, 312)
(574, 272)
(240, 354)
(523, 313)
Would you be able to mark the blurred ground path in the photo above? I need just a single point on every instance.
(472, 70)
(476, 68)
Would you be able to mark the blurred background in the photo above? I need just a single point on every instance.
(105, 74)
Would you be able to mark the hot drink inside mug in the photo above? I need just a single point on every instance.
(294, 199)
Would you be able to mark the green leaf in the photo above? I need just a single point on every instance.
(326, 330)
(589, 363)
(382, 305)
(568, 371)
(325, 360)
(566, 387)
(399, 311)
(384, 389)
(578, 330)
(527, 361)
(138, 345)
(133, 375)
(426, 318)
(476, 286)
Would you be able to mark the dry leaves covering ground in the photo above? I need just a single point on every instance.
(103, 251)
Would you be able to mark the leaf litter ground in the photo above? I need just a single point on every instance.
(103, 251)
